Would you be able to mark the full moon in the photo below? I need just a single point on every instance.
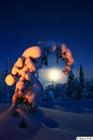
(56, 75)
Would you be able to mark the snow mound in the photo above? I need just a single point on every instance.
(19, 125)
(47, 124)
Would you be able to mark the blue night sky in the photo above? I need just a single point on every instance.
(25, 22)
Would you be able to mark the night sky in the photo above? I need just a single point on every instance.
(25, 22)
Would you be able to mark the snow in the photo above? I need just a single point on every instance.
(65, 121)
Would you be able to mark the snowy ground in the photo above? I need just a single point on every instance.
(62, 122)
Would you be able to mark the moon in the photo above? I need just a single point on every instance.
(56, 75)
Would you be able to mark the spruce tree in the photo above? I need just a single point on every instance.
(82, 87)
(5, 88)
(71, 78)
(90, 88)
(5, 72)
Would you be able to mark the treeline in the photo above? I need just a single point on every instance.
(75, 88)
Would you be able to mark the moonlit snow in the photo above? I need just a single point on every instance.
(64, 121)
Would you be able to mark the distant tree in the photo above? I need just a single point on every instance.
(37, 75)
(5, 72)
(82, 84)
(5, 96)
(70, 87)
(90, 88)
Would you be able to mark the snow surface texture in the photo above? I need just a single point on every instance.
(63, 122)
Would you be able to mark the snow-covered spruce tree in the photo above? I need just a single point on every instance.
(70, 82)
(82, 91)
